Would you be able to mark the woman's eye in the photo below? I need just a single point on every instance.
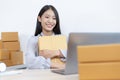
(46, 17)
(54, 18)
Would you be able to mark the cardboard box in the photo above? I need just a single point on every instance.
(12, 46)
(9, 36)
(4, 54)
(57, 60)
(0, 44)
(8, 62)
(17, 57)
(99, 71)
(56, 42)
(99, 53)
(52, 42)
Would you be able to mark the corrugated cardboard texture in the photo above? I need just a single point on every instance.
(9, 36)
(0, 44)
(52, 42)
(7, 62)
(99, 53)
(17, 57)
(99, 71)
(57, 60)
(4, 54)
(12, 46)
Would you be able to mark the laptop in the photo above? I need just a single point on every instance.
(71, 66)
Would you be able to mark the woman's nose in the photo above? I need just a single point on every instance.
(50, 20)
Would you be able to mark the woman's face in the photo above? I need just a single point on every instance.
(48, 20)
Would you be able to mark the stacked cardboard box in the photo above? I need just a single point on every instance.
(0, 44)
(10, 49)
(99, 62)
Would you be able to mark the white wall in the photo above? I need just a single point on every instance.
(75, 16)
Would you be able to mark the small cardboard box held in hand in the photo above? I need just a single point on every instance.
(57, 42)
(52, 42)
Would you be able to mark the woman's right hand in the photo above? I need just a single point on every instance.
(57, 65)
(49, 53)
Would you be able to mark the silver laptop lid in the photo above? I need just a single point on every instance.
(85, 39)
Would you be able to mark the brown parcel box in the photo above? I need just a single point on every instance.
(99, 53)
(99, 71)
(0, 44)
(12, 46)
(53, 43)
(57, 61)
(7, 62)
(4, 54)
(9, 36)
(17, 57)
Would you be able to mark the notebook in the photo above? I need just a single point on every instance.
(71, 66)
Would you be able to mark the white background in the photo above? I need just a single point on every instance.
(75, 16)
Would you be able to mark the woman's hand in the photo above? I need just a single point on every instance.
(57, 66)
(49, 53)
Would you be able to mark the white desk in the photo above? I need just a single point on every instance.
(37, 75)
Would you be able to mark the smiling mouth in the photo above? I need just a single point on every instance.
(49, 25)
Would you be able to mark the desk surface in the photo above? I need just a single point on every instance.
(36, 75)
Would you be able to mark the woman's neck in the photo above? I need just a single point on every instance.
(47, 33)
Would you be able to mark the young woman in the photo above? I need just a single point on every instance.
(48, 24)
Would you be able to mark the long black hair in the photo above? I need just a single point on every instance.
(56, 29)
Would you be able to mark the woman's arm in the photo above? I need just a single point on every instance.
(32, 60)
(52, 53)
(57, 57)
